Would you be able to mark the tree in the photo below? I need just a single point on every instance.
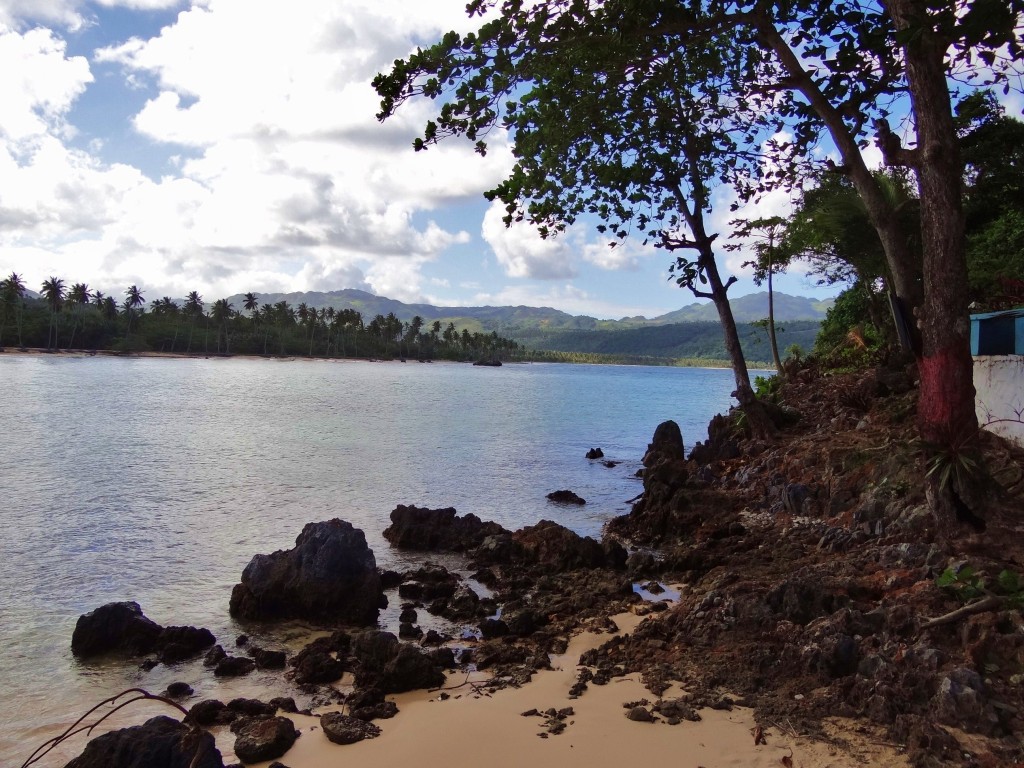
(78, 297)
(133, 299)
(54, 294)
(605, 127)
(807, 66)
(193, 309)
(12, 300)
(220, 314)
(993, 151)
(767, 234)
(250, 303)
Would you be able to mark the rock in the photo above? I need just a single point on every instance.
(214, 656)
(566, 497)
(501, 549)
(252, 707)
(408, 614)
(437, 530)
(409, 631)
(234, 666)
(318, 667)
(558, 548)
(330, 576)
(179, 690)
(369, 704)
(180, 643)
(162, 742)
(640, 715)
(210, 712)
(491, 628)
(595, 453)
(265, 739)
(343, 729)
(464, 605)
(114, 627)
(268, 659)
(409, 670)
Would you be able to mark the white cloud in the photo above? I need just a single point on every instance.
(522, 252)
(286, 179)
(625, 255)
(39, 83)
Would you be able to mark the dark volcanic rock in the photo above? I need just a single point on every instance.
(437, 530)
(265, 739)
(180, 643)
(179, 690)
(595, 453)
(210, 712)
(234, 666)
(162, 742)
(558, 548)
(566, 497)
(343, 729)
(268, 659)
(330, 576)
(392, 667)
(318, 667)
(113, 627)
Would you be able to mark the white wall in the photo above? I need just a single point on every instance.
(999, 398)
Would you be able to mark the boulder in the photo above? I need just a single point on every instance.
(268, 659)
(566, 497)
(392, 667)
(343, 729)
(318, 667)
(180, 643)
(262, 739)
(437, 530)
(234, 666)
(330, 576)
(161, 742)
(210, 712)
(556, 547)
(595, 453)
(114, 627)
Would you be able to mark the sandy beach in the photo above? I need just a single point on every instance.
(469, 729)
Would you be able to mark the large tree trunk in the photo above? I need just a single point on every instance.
(946, 416)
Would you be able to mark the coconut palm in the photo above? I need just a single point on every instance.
(193, 309)
(78, 296)
(12, 301)
(133, 299)
(54, 294)
(220, 314)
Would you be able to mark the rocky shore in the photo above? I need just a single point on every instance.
(805, 582)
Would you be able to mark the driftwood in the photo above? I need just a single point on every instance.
(990, 603)
(79, 726)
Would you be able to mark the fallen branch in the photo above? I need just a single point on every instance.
(990, 603)
(77, 727)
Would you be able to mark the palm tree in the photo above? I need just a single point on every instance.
(250, 303)
(78, 296)
(220, 314)
(133, 299)
(54, 293)
(193, 309)
(12, 295)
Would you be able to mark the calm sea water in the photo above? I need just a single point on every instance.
(156, 480)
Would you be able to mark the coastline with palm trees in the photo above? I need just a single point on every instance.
(84, 321)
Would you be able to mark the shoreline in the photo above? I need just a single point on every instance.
(467, 727)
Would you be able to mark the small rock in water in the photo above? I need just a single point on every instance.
(179, 690)
(595, 453)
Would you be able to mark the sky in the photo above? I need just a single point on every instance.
(227, 146)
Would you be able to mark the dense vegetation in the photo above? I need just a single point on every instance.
(82, 319)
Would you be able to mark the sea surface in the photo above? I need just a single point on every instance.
(156, 480)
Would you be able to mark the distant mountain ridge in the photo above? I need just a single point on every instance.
(507, 319)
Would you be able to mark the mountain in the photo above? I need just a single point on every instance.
(690, 332)
(751, 308)
(507, 319)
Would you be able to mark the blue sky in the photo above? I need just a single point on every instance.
(228, 146)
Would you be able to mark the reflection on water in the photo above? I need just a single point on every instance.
(157, 480)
